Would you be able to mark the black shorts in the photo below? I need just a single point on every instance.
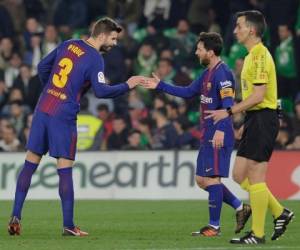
(259, 135)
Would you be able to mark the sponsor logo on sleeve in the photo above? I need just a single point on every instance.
(226, 84)
(101, 78)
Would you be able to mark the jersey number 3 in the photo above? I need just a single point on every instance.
(60, 79)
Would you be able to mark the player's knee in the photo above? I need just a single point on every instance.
(201, 182)
(33, 157)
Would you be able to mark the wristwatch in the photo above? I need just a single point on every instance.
(229, 111)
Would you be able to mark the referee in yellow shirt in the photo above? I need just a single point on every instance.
(259, 94)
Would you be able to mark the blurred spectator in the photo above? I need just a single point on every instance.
(213, 25)
(22, 81)
(96, 9)
(157, 12)
(17, 116)
(126, 12)
(118, 137)
(9, 141)
(233, 6)
(166, 72)
(6, 23)
(51, 39)
(17, 13)
(140, 34)
(178, 11)
(145, 61)
(182, 41)
(4, 122)
(167, 53)
(182, 109)
(160, 101)
(172, 110)
(164, 135)
(144, 126)
(136, 112)
(34, 55)
(15, 94)
(134, 141)
(129, 46)
(30, 87)
(186, 138)
(35, 8)
(107, 123)
(198, 15)
(277, 13)
(12, 71)
(33, 27)
(152, 35)
(89, 128)
(70, 15)
(237, 51)
(285, 63)
(3, 94)
(6, 52)
(95, 102)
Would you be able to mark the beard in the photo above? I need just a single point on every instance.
(205, 62)
(105, 48)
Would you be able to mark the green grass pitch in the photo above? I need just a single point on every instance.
(132, 225)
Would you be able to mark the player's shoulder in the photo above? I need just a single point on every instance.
(223, 70)
(224, 76)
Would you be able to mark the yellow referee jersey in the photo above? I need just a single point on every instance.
(259, 68)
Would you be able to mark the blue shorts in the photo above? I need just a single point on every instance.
(52, 134)
(213, 161)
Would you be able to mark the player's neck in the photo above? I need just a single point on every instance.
(252, 42)
(213, 62)
(93, 43)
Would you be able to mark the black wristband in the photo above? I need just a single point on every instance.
(229, 111)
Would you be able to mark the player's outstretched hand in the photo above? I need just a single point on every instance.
(135, 80)
(151, 83)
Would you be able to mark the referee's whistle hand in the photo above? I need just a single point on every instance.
(216, 115)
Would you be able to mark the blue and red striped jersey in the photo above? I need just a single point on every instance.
(216, 90)
(67, 73)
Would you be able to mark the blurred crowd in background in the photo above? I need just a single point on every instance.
(159, 36)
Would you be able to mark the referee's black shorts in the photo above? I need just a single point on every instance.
(259, 135)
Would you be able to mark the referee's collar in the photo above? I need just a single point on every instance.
(256, 46)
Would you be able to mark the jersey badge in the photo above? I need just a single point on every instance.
(101, 78)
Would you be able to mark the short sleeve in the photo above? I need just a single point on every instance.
(226, 85)
(259, 67)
